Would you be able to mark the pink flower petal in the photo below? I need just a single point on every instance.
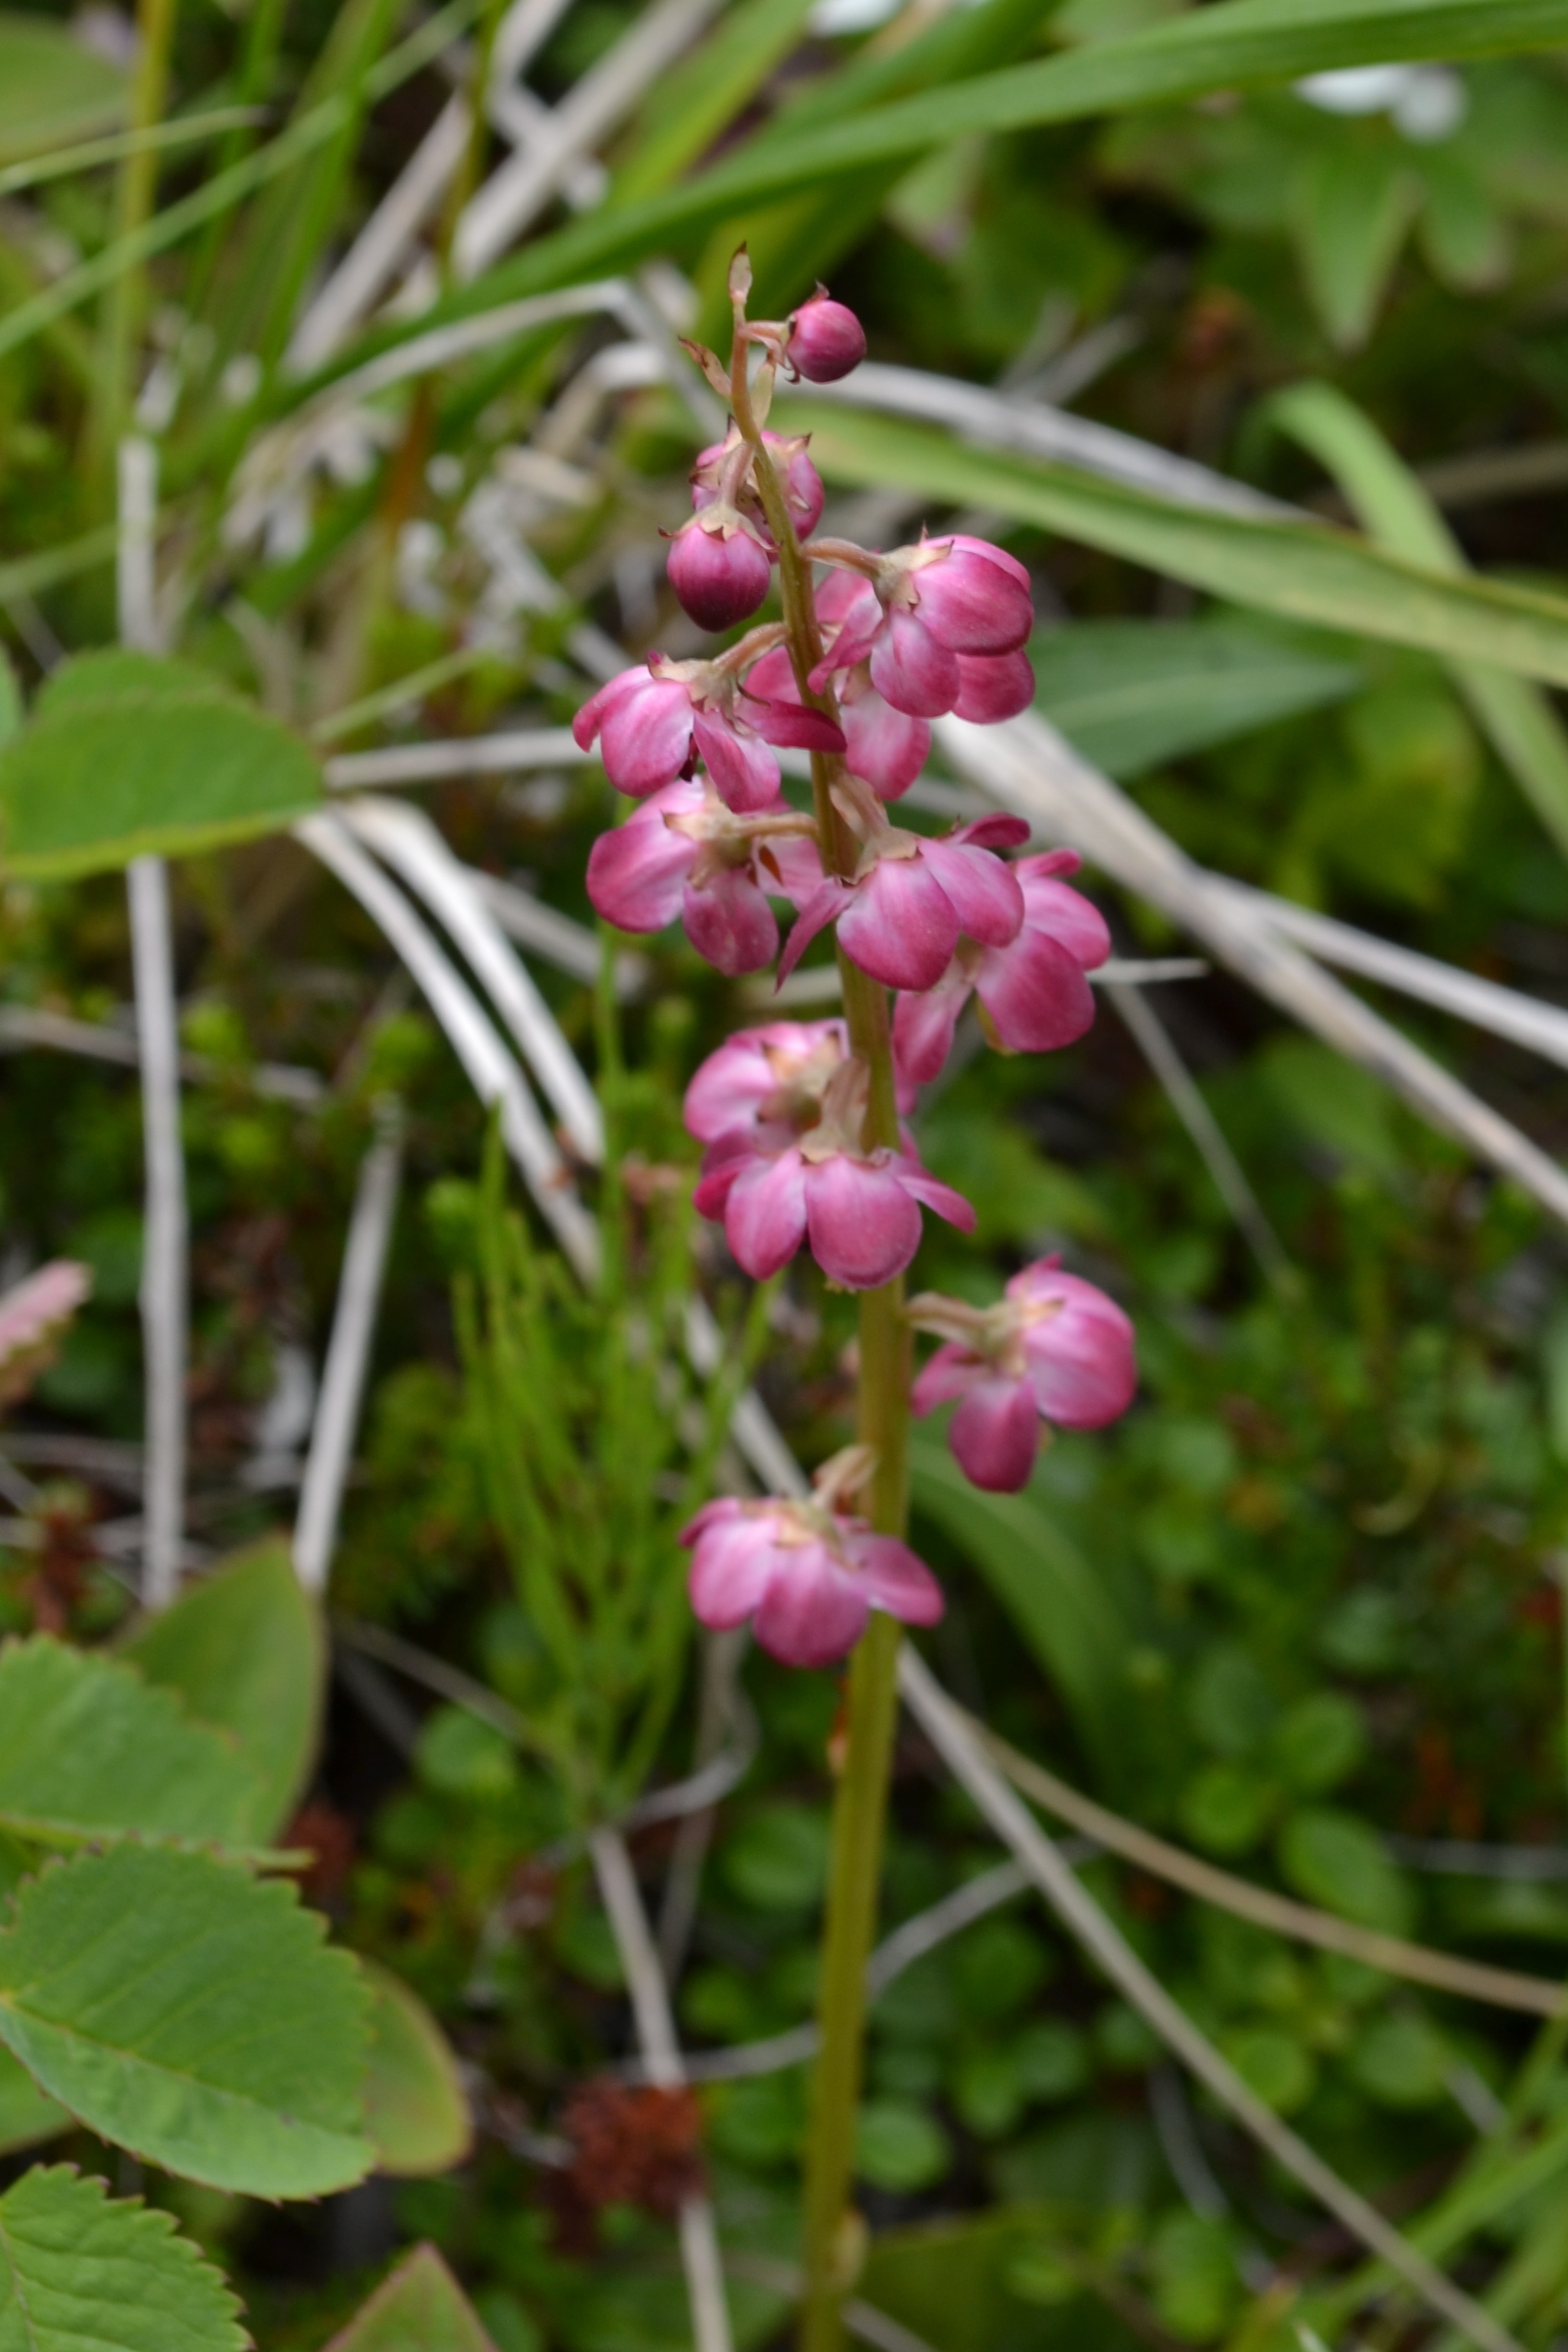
(996, 1434)
(1082, 1368)
(923, 1024)
(818, 911)
(972, 600)
(797, 724)
(896, 1580)
(885, 747)
(812, 1613)
(995, 831)
(646, 740)
(900, 926)
(1035, 993)
(729, 923)
(744, 770)
(911, 669)
(862, 1225)
(637, 873)
(764, 1217)
(1063, 913)
(790, 866)
(951, 1373)
(994, 687)
(730, 1568)
(981, 890)
(933, 1194)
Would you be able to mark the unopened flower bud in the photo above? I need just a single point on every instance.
(719, 568)
(826, 340)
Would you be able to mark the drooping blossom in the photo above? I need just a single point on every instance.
(682, 851)
(718, 567)
(766, 1084)
(654, 722)
(885, 746)
(858, 1207)
(912, 897)
(919, 611)
(798, 478)
(33, 1315)
(807, 1575)
(1031, 988)
(826, 340)
(1052, 1348)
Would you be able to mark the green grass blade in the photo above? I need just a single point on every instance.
(689, 107)
(1516, 716)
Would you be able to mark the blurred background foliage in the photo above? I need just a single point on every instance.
(1303, 1611)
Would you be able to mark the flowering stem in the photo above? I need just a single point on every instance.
(831, 2240)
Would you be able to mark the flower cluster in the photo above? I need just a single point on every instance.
(804, 1124)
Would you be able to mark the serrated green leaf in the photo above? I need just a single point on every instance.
(416, 2111)
(78, 2274)
(53, 88)
(26, 2116)
(1303, 571)
(1524, 728)
(1232, 45)
(194, 2014)
(1131, 693)
(127, 753)
(420, 2308)
(245, 1650)
(88, 1751)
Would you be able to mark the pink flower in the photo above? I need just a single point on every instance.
(1031, 988)
(806, 1574)
(1053, 1348)
(885, 747)
(655, 721)
(718, 567)
(857, 1208)
(826, 340)
(765, 1085)
(901, 916)
(682, 851)
(32, 1317)
(800, 482)
(924, 609)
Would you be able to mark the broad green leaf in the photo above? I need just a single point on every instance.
(420, 2308)
(1351, 209)
(1230, 45)
(243, 1648)
(1060, 1606)
(1130, 693)
(53, 88)
(126, 753)
(1519, 721)
(78, 2274)
(1303, 571)
(26, 2116)
(416, 2112)
(1335, 1860)
(192, 2013)
(88, 1751)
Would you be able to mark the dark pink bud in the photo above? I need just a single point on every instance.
(719, 568)
(825, 340)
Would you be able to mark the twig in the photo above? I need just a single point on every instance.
(661, 2055)
(571, 947)
(1472, 1979)
(955, 1738)
(406, 838)
(722, 1654)
(1027, 766)
(492, 1072)
(514, 195)
(1230, 1183)
(476, 755)
(165, 1277)
(348, 1351)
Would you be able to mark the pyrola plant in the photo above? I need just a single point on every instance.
(803, 1123)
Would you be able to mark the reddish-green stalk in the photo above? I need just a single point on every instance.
(832, 2240)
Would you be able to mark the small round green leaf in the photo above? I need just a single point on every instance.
(192, 2013)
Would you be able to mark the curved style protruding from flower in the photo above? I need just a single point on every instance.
(655, 721)
(1032, 989)
(826, 341)
(798, 478)
(682, 851)
(807, 1575)
(858, 1209)
(924, 616)
(913, 898)
(718, 567)
(1053, 1348)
